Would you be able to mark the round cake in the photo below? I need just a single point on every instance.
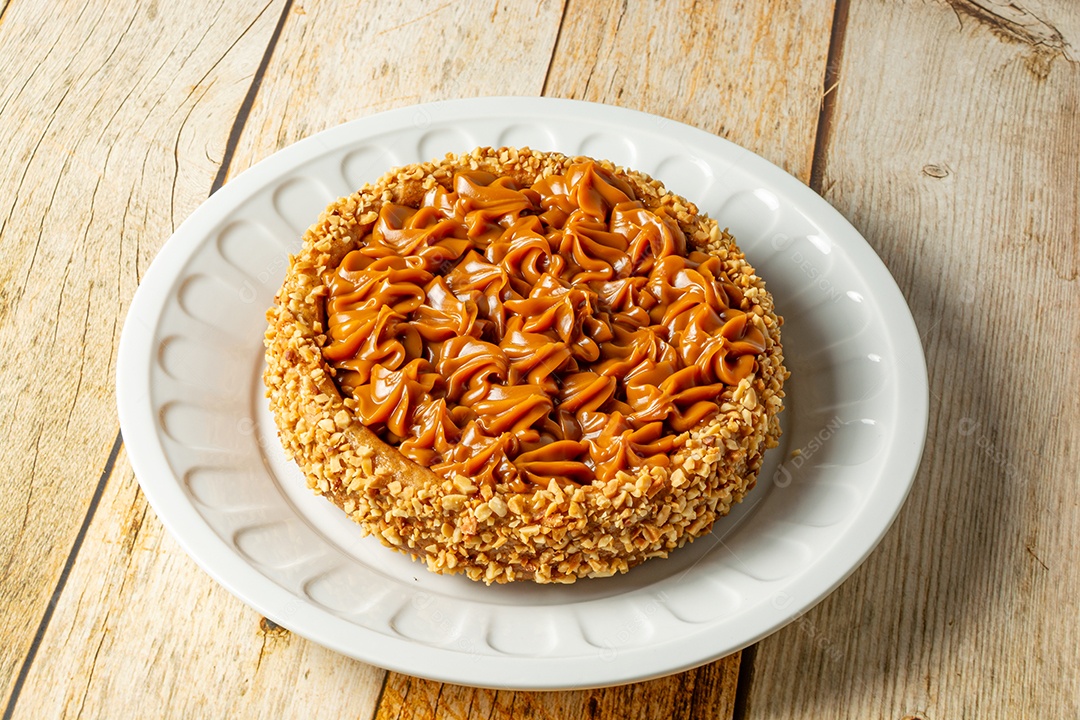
(519, 365)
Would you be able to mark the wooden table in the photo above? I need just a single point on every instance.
(947, 131)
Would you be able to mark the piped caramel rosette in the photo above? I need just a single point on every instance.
(519, 365)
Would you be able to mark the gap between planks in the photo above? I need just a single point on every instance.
(249, 101)
(554, 48)
(43, 625)
(829, 84)
(830, 80)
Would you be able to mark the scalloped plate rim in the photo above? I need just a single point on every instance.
(233, 572)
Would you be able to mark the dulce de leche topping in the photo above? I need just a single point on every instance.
(517, 335)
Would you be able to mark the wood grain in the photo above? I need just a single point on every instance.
(706, 693)
(334, 64)
(750, 72)
(962, 171)
(111, 117)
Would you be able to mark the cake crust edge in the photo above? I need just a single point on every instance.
(553, 534)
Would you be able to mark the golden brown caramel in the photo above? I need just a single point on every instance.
(518, 335)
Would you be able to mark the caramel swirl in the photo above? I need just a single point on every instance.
(517, 335)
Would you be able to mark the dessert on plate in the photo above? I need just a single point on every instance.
(519, 365)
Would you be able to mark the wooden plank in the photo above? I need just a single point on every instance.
(394, 54)
(140, 626)
(113, 117)
(751, 73)
(953, 148)
(706, 693)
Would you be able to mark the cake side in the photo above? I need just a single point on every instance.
(556, 533)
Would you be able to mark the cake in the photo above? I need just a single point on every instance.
(520, 365)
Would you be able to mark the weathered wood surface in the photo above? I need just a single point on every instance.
(749, 72)
(949, 140)
(113, 118)
(335, 64)
(954, 146)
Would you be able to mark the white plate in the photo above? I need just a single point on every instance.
(204, 448)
